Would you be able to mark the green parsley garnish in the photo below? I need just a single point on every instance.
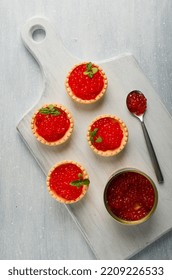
(80, 182)
(49, 110)
(90, 70)
(98, 140)
(93, 134)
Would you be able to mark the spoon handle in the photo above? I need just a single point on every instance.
(152, 154)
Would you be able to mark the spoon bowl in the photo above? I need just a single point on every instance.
(136, 103)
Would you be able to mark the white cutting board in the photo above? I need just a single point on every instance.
(107, 239)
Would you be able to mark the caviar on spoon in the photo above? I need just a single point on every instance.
(137, 104)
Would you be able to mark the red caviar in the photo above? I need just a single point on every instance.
(108, 134)
(130, 196)
(82, 85)
(52, 127)
(60, 180)
(136, 102)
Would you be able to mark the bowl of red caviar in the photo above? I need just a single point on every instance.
(130, 196)
(107, 135)
(86, 83)
(68, 181)
(52, 124)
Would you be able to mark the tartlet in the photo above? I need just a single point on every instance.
(107, 135)
(52, 124)
(67, 182)
(86, 83)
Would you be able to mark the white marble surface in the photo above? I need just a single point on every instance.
(31, 229)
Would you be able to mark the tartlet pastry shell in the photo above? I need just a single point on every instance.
(123, 142)
(59, 198)
(80, 100)
(67, 134)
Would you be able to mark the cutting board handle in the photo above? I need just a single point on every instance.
(49, 51)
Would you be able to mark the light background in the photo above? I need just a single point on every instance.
(29, 227)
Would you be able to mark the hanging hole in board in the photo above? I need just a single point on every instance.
(38, 33)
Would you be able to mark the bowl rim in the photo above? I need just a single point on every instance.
(116, 218)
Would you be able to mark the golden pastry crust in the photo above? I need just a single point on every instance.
(80, 100)
(55, 195)
(123, 142)
(61, 140)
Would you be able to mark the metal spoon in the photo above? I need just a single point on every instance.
(140, 115)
